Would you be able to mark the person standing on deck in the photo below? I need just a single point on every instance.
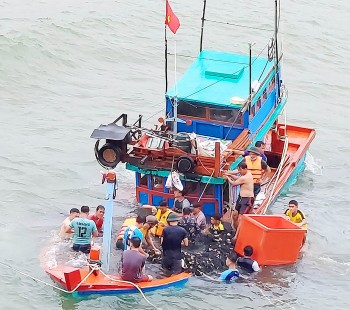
(98, 218)
(73, 213)
(260, 145)
(245, 199)
(256, 166)
(83, 229)
(180, 202)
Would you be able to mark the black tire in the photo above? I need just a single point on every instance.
(109, 155)
(185, 164)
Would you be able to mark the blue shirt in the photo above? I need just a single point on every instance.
(227, 275)
(83, 228)
(131, 232)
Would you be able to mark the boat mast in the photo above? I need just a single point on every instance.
(166, 59)
(202, 28)
(276, 49)
(110, 178)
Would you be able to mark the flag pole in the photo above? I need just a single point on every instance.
(166, 59)
(202, 28)
(175, 99)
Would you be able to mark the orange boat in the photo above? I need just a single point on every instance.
(69, 278)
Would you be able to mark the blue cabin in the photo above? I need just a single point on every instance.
(207, 94)
(214, 95)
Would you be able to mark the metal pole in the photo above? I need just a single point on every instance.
(110, 177)
(276, 48)
(166, 60)
(202, 28)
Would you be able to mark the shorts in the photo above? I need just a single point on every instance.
(144, 278)
(85, 248)
(244, 204)
(172, 266)
(257, 189)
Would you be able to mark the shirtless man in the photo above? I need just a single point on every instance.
(73, 213)
(245, 199)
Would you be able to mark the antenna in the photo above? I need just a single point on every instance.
(202, 28)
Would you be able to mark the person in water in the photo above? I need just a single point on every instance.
(73, 213)
(133, 263)
(246, 262)
(232, 271)
(199, 216)
(190, 225)
(180, 202)
(295, 215)
(216, 227)
(82, 229)
(172, 238)
(142, 231)
(162, 215)
(98, 218)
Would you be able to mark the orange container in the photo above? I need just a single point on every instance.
(275, 240)
(95, 253)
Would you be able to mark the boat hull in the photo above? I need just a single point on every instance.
(100, 284)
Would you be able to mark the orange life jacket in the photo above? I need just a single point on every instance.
(254, 166)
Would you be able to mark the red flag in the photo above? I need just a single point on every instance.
(171, 19)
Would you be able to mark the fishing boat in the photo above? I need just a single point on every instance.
(224, 102)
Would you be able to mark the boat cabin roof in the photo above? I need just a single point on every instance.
(216, 77)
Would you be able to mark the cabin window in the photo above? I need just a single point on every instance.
(264, 94)
(252, 111)
(258, 104)
(231, 116)
(143, 180)
(191, 188)
(209, 190)
(190, 109)
(157, 183)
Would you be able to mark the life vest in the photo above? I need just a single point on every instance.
(162, 219)
(254, 166)
(245, 263)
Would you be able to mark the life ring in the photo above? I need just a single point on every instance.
(109, 155)
(185, 164)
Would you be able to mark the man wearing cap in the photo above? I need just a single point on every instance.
(255, 165)
(260, 145)
(172, 238)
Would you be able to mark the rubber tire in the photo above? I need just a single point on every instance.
(185, 164)
(117, 151)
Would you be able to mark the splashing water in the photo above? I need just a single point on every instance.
(313, 165)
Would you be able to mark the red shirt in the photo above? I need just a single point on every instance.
(98, 221)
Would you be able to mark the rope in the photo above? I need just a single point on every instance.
(93, 268)
(281, 164)
(200, 197)
(133, 284)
